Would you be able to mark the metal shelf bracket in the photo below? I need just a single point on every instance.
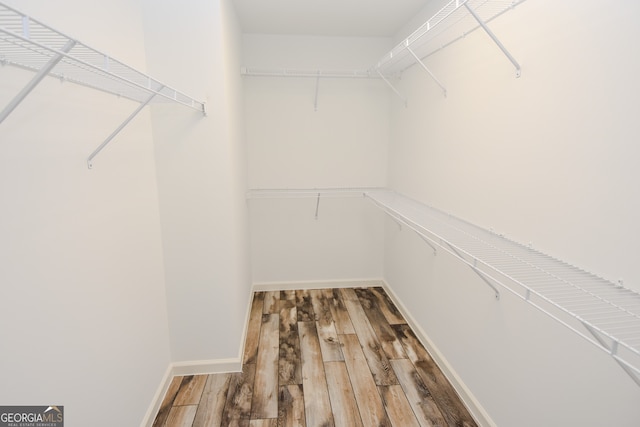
(315, 100)
(419, 61)
(494, 38)
(404, 100)
(118, 130)
(40, 75)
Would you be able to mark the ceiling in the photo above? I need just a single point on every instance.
(343, 18)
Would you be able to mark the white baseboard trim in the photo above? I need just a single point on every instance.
(477, 411)
(180, 369)
(149, 417)
(325, 284)
(205, 367)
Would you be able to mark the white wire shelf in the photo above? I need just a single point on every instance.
(296, 193)
(32, 45)
(308, 73)
(453, 22)
(600, 311)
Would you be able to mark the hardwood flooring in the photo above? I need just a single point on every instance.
(330, 357)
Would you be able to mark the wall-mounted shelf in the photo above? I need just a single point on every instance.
(453, 22)
(309, 73)
(604, 313)
(294, 193)
(32, 45)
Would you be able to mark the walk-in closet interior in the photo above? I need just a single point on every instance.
(161, 161)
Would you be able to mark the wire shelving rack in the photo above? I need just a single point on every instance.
(453, 22)
(602, 312)
(32, 45)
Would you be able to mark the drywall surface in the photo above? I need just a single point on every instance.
(341, 141)
(201, 173)
(291, 244)
(83, 319)
(548, 158)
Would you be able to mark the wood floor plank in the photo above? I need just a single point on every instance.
(271, 299)
(291, 406)
(304, 306)
(316, 394)
(373, 351)
(343, 402)
(419, 396)
(272, 422)
(214, 397)
(289, 365)
(386, 335)
(370, 405)
(388, 308)
(327, 333)
(441, 389)
(288, 316)
(253, 329)
(397, 406)
(237, 409)
(265, 391)
(190, 390)
(167, 402)
(288, 295)
(339, 312)
(181, 416)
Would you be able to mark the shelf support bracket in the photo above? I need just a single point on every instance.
(419, 61)
(392, 87)
(117, 131)
(315, 101)
(611, 350)
(40, 75)
(494, 38)
(475, 270)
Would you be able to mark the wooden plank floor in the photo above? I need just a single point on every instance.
(331, 357)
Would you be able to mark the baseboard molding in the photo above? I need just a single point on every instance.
(179, 369)
(324, 284)
(477, 411)
(149, 417)
(205, 367)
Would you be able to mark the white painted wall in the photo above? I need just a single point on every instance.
(201, 173)
(83, 318)
(548, 158)
(291, 145)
